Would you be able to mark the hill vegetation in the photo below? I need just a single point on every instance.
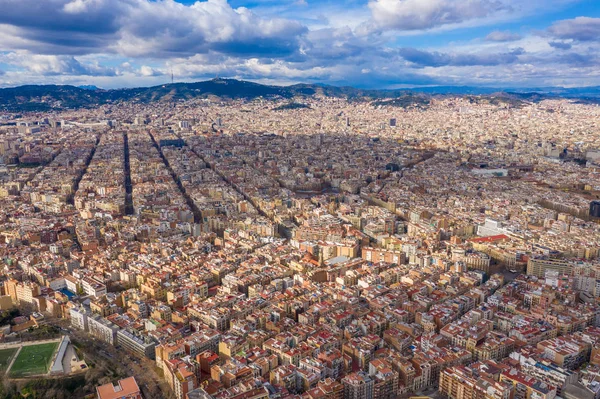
(292, 105)
(57, 97)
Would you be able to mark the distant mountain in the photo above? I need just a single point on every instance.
(457, 90)
(53, 97)
(47, 97)
(583, 94)
(88, 87)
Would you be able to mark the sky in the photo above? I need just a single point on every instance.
(361, 43)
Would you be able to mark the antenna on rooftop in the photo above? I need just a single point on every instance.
(171, 75)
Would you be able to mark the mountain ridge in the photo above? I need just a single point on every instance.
(58, 97)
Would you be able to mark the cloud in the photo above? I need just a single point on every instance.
(50, 65)
(581, 29)
(406, 15)
(581, 57)
(339, 44)
(115, 43)
(146, 70)
(421, 58)
(577, 60)
(502, 36)
(560, 45)
(373, 69)
(203, 65)
(142, 28)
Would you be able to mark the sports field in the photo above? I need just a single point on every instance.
(33, 359)
(6, 356)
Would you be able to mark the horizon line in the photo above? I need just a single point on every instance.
(357, 87)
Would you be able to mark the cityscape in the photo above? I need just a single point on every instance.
(241, 238)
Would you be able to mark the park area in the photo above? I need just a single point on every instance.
(33, 359)
(6, 356)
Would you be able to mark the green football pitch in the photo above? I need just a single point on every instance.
(6, 356)
(33, 359)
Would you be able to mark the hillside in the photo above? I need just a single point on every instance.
(55, 97)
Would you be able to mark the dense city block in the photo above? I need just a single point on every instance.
(316, 249)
